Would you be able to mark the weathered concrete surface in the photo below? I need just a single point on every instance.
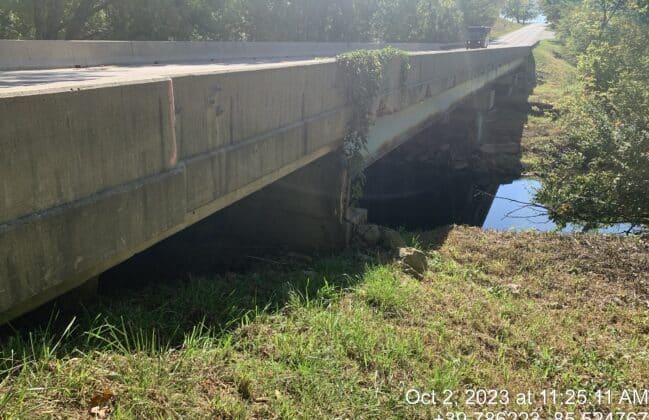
(60, 54)
(93, 175)
(60, 146)
(48, 253)
(305, 210)
(441, 84)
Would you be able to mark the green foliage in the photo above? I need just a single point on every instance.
(384, 290)
(439, 20)
(363, 71)
(597, 173)
(417, 21)
(12, 22)
(251, 20)
(520, 10)
(117, 19)
(554, 10)
(480, 12)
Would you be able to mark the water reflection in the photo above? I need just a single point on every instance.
(508, 214)
(421, 198)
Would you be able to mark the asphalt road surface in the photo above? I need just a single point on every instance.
(19, 82)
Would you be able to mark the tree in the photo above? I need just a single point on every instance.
(439, 21)
(520, 10)
(253, 20)
(554, 10)
(597, 173)
(52, 19)
(479, 12)
(12, 24)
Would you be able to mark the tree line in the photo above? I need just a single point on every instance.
(597, 173)
(249, 20)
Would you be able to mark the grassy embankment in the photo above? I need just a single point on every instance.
(503, 26)
(555, 75)
(347, 336)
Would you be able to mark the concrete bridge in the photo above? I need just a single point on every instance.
(100, 163)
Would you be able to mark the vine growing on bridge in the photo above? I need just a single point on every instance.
(363, 71)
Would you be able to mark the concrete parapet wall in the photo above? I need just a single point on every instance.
(17, 55)
(45, 255)
(215, 110)
(235, 128)
(60, 146)
(90, 177)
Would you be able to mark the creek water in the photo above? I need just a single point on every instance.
(419, 200)
(508, 214)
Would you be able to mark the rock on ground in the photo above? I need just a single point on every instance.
(373, 235)
(370, 235)
(413, 261)
(391, 239)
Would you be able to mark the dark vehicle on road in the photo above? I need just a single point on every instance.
(477, 37)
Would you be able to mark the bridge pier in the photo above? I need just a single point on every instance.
(517, 86)
(500, 151)
(477, 108)
(462, 132)
(305, 211)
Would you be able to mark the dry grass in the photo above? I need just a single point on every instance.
(615, 267)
